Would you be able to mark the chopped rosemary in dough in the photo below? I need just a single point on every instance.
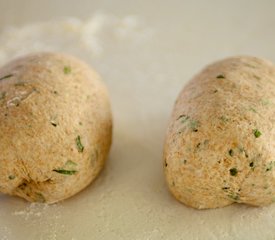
(79, 145)
(238, 120)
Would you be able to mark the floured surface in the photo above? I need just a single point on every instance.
(144, 61)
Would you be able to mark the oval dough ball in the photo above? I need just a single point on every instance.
(220, 144)
(55, 127)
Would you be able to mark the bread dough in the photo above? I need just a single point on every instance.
(219, 146)
(55, 127)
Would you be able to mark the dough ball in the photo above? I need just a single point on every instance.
(220, 144)
(55, 127)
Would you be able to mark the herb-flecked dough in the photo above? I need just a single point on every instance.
(55, 127)
(220, 143)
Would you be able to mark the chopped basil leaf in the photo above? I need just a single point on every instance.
(231, 152)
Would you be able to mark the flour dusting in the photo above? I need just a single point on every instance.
(42, 217)
(72, 35)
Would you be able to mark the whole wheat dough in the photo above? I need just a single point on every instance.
(55, 127)
(220, 144)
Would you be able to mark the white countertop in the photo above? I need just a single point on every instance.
(145, 66)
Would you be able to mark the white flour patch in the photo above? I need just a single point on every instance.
(72, 35)
(44, 218)
(5, 233)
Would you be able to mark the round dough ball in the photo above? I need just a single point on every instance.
(220, 144)
(55, 127)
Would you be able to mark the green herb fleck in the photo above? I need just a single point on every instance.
(22, 186)
(183, 118)
(249, 65)
(251, 164)
(11, 177)
(79, 145)
(70, 163)
(67, 70)
(220, 76)
(55, 92)
(7, 76)
(80, 123)
(94, 156)
(224, 119)
(18, 84)
(225, 188)
(194, 125)
(252, 109)
(257, 133)
(68, 168)
(257, 77)
(53, 123)
(15, 102)
(270, 166)
(65, 172)
(231, 152)
(2, 95)
(215, 91)
(40, 198)
(242, 150)
(265, 102)
(234, 196)
(233, 171)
